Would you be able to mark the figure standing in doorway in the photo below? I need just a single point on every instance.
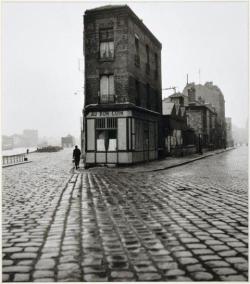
(76, 156)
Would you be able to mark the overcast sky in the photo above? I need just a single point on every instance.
(42, 42)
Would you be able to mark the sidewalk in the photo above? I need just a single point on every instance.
(167, 163)
(170, 162)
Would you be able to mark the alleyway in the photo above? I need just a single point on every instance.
(188, 223)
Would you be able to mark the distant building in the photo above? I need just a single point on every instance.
(19, 141)
(211, 94)
(123, 103)
(230, 141)
(179, 138)
(240, 135)
(201, 118)
(31, 137)
(68, 141)
(7, 142)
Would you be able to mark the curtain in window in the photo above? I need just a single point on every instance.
(107, 49)
(100, 141)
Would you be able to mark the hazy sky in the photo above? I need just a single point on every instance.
(42, 42)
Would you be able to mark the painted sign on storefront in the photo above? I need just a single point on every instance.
(119, 113)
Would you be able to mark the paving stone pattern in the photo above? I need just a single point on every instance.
(99, 225)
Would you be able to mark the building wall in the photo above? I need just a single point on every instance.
(94, 66)
(125, 25)
(195, 120)
(134, 137)
(144, 73)
(211, 94)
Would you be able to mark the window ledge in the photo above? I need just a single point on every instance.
(107, 59)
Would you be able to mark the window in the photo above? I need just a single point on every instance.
(107, 89)
(106, 135)
(137, 54)
(137, 44)
(147, 63)
(106, 37)
(137, 89)
(156, 66)
(147, 51)
(148, 97)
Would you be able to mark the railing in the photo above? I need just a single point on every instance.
(106, 56)
(112, 99)
(107, 99)
(13, 159)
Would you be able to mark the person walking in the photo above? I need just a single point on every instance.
(76, 156)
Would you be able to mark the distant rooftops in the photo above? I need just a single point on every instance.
(177, 95)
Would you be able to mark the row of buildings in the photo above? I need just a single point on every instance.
(125, 120)
(194, 120)
(29, 138)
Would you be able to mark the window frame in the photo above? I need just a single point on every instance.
(107, 126)
(107, 40)
(109, 94)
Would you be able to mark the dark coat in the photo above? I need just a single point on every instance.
(76, 154)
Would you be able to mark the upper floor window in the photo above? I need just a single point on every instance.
(137, 55)
(148, 102)
(107, 91)
(136, 44)
(156, 66)
(147, 51)
(137, 89)
(106, 37)
(147, 63)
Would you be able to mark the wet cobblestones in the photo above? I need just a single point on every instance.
(99, 225)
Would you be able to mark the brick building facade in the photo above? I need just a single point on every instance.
(212, 95)
(122, 87)
(202, 119)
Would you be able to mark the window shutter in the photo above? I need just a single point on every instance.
(111, 85)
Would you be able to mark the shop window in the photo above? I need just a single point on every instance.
(100, 123)
(106, 37)
(106, 135)
(106, 140)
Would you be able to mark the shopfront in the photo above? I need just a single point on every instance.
(123, 136)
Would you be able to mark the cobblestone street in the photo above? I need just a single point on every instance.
(189, 223)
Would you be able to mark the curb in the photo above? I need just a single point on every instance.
(11, 165)
(182, 163)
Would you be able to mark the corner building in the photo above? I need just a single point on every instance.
(123, 100)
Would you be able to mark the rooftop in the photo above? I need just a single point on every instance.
(130, 12)
(107, 7)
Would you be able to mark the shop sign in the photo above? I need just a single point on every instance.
(116, 113)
